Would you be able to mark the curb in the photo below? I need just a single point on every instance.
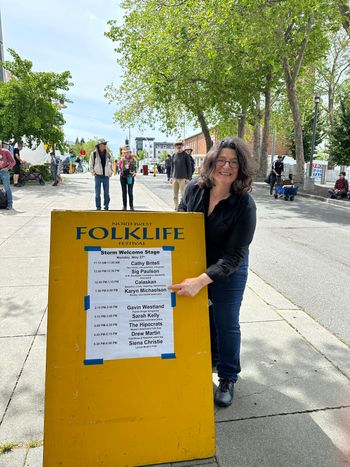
(342, 204)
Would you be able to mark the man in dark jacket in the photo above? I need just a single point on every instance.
(168, 166)
(181, 171)
(276, 173)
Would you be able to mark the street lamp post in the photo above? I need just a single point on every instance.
(316, 100)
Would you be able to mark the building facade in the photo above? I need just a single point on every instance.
(198, 144)
(160, 148)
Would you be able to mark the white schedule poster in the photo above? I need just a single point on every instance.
(129, 309)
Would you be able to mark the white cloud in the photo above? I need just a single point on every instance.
(60, 35)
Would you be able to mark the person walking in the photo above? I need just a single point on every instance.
(16, 167)
(181, 171)
(188, 151)
(100, 165)
(7, 161)
(221, 193)
(55, 168)
(127, 168)
(168, 166)
(276, 172)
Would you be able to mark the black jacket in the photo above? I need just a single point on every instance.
(228, 230)
(181, 165)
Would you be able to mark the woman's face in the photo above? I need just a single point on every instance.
(226, 167)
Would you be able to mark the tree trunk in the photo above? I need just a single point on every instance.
(330, 105)
(345, 14)
(205, 130)
(298, 132)
(290, 77)
(266, 128)
(257, 135)
(241, 125)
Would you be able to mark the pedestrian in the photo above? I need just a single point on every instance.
(221, 193)
(7, 161)
(341, 187)
(276, 173)
(181, 171)
(79, 167)
(127, 168)
(55, 168)
(100, 165)
(16, 167)
(189, 150)
(168, 166)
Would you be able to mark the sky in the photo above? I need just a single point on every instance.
(59, 35)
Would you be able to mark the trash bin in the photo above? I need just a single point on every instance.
(145, 169)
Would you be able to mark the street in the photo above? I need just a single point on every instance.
(295, 376)
(302, 249)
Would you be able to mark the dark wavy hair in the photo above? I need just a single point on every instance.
(243, 182)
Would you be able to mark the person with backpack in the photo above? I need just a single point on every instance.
(188, 151)
(6, 163)
(100, 166)
(276, 173)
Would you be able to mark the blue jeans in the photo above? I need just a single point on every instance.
(127, 190)
(5, 177)
(225, 332)
(102, 180)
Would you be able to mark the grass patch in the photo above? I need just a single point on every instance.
(7, 447)
(32, 443)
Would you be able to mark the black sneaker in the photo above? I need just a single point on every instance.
(224, 393)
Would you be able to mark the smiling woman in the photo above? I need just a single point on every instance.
(222, 194)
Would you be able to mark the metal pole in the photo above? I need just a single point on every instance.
(317, 99)
(273, 149)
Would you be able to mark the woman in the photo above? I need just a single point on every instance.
(16, 167)
(222, 193)
(127, 167)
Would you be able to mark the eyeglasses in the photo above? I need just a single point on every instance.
(221, 163)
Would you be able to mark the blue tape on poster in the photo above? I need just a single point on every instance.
(94, 361)
(168, 248)
(166, 356)
(92, 248)
(87, 302)
(173, 299)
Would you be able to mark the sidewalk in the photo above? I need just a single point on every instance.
(292, 402)
(342, 203)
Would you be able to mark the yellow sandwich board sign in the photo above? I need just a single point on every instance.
(128, 376)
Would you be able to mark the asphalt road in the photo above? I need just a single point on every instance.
(301, 248)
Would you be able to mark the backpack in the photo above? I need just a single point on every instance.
(3, 199)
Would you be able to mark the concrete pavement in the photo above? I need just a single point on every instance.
(292, 403)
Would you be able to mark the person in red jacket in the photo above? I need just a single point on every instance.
(341, 187)
(7, 161)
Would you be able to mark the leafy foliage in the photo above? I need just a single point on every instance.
(29, 104)
(339, 142)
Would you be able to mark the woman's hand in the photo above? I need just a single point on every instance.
(191, 286)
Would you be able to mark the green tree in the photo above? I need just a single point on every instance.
(307, 128)
(29, 104)
(339, 141)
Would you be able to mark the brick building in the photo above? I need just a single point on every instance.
(197, 143)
